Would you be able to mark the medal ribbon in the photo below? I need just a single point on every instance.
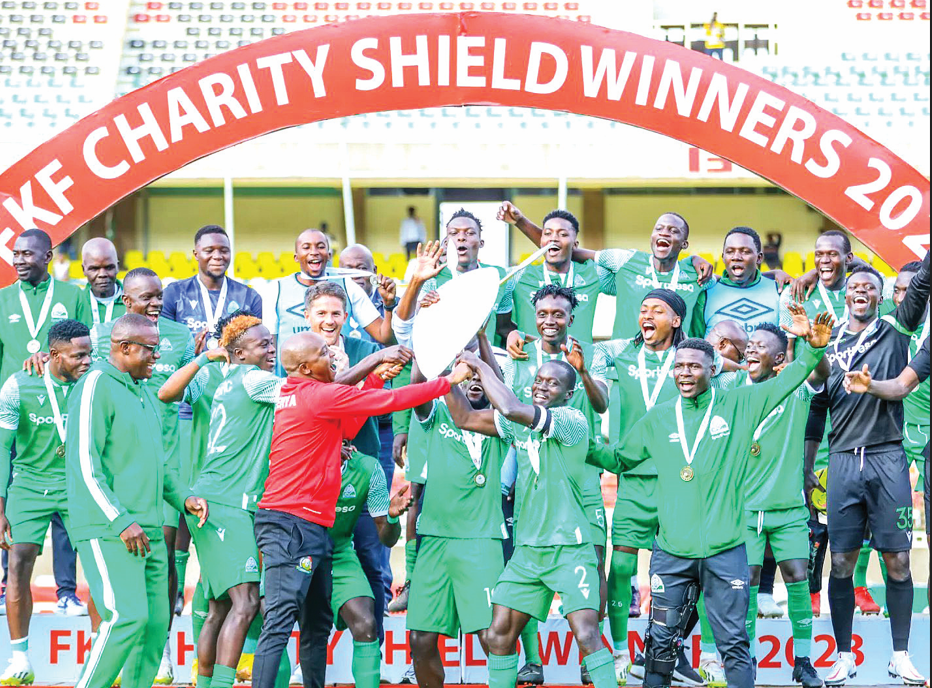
(570, 276)
(760, 428)
(681, 428)
(671, 285)
(31, 323)
(108, 311)
(846, 365)
(473, 442)
(650, 400)
(827, 299)
(212, 315)
(922, 337)
(56, 409)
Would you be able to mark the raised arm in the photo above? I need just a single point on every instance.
(465, 417)
(896, 389)
(509, 213)
(486, 353)
(912, 310)
(174, 387)
(502, 398)
(624, 455)
(427, 266)
(394, 355)
(593, 381)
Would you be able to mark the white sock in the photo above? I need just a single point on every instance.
(708, 656)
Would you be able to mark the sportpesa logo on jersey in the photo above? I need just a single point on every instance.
(193, 323)
(636, 374)
(644, 282)
(449, 433)
(848, 354)
(163, 368)
(45, 420)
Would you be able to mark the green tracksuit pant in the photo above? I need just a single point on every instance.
(129, 592)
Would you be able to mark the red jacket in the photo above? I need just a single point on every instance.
(311, 421)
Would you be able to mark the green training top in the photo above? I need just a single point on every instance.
(701, 504)
(201, 409)
(65, 301)
(503, 302)
(629, 275)
(240, 437)
(27, 417)
(462, 500)
(775, 475)
(551, 470)
(115, 469)
(916, 405)
(585, 282)
(363, 483)
(102, 305)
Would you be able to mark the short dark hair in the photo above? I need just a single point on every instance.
(44, 238)
(137, 273)
(679, 217)
(776, 332)
(698, 345)
(209, 229)
(567, 372)
(324, 288)
(857, 269)
(66, 330)
(912, 266)
(845, 241)
(563, 215)
(462, 212)
(747, 231)
(557, 292)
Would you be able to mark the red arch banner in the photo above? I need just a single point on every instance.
(431, 60)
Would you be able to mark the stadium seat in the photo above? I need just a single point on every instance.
(793, 264)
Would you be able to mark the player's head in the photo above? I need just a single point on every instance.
(475, 392)
(307, 355)
(766, 350)
(464, 238)
(32, 253)
(100, 264)
(359, 257)
(69, 349)
(661, 319)
(669, 237)
(692, 367)
(142, 293)
(212, 251)
(832, 256)
(729, 339)
(325, 310)
(554, 384)
(134, 345)
(312, 252)
(864, 293)
(553, 307)
(743, 254)
(561, 228)
(907, 272)
(246, 339)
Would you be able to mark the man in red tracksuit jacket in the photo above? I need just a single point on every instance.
(312, 418)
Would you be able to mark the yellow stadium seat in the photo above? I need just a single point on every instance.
(719, 267)
(75, 271)
(286, 260)
(793, 264)
(335, 261)
(708, 257)
(242, 256)
(157, 256)
(133, 259)
(270, 270)
(810, 262)
(883, 268)
(864, 255)
(122, 274)
(247, 270)
(265, 257)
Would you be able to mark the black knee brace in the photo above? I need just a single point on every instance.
(818, 545)
(661, 659)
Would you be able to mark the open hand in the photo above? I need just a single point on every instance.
(509, 213)
(428, 263)
(35, 364)
(429, 299)
(820, 333)
(800, 325)
(136, 540)
(858, 381)
(400, 503)
(574, 355)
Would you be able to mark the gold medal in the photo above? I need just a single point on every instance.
(60, 451)
(480, 480)
(687, 473)
(755, 449)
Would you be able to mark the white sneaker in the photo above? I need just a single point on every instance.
(166, 675)
(408, 677)
(843, 669)
(902, 668)
(18, 672)
(712, 670)
(622, 661)
(297, 677)
(69, 605)
(767, 607)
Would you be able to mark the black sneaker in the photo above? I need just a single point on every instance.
(584, 675)
(805, 674)
(684, 672)
(634, 611)
(531, 674)
(637, 666)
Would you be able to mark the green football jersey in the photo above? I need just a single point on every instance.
(463, 498)
(27, 416)
(105, 310)
(551, 471)
(629, 275)
(240, 436)
(503, 303)
(211, 378)
(916, 405)
(583, 277)
(363, 482)
(775, 474)
(48, 303)
(643, 379)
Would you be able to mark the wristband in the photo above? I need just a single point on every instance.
(392, 519)
(389, 308)
(202, 360)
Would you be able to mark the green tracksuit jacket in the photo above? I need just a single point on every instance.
(704, 515)
(115, 471)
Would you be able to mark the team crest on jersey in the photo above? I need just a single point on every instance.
(233, 307)
(656, 584)
(349, 492)
(41, 399)
(719, 428)
(15, 318)
(252, 566)
(165, 344)
(59, 312)
(306, 565)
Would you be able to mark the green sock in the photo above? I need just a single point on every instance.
(503, 671)
(252, 636)
(883, 568)
(199, 609)
(707, 640)
(223, 676)
(203, 681)
(530, 643)
(601, 668)
(284, 671)
(367, 659)
(623, 566)
(751, 622)
(181, 566)
(860, 569)
(799, 606)
(410, 557)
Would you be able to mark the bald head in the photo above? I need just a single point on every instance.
(134, 342)
(359, 257)
(312, 236)
(306, 355)
(729, 339)
(100, 264)
(131, 326)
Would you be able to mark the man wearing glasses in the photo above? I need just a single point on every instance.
(142, 295)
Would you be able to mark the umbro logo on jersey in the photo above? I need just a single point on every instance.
(41, 399)
(59, 312)
(166, 344)
(674, 437)
(744, 309)
(349, 492)
(719, 428)
(252, 566)
(15, 318)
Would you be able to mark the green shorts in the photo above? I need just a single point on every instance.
(534, 574)
(349, 582)
(915, 439)
(594, 507)
(30, 512)
(451, 589)
(787, 530)
(226, 549)
(635, 521)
